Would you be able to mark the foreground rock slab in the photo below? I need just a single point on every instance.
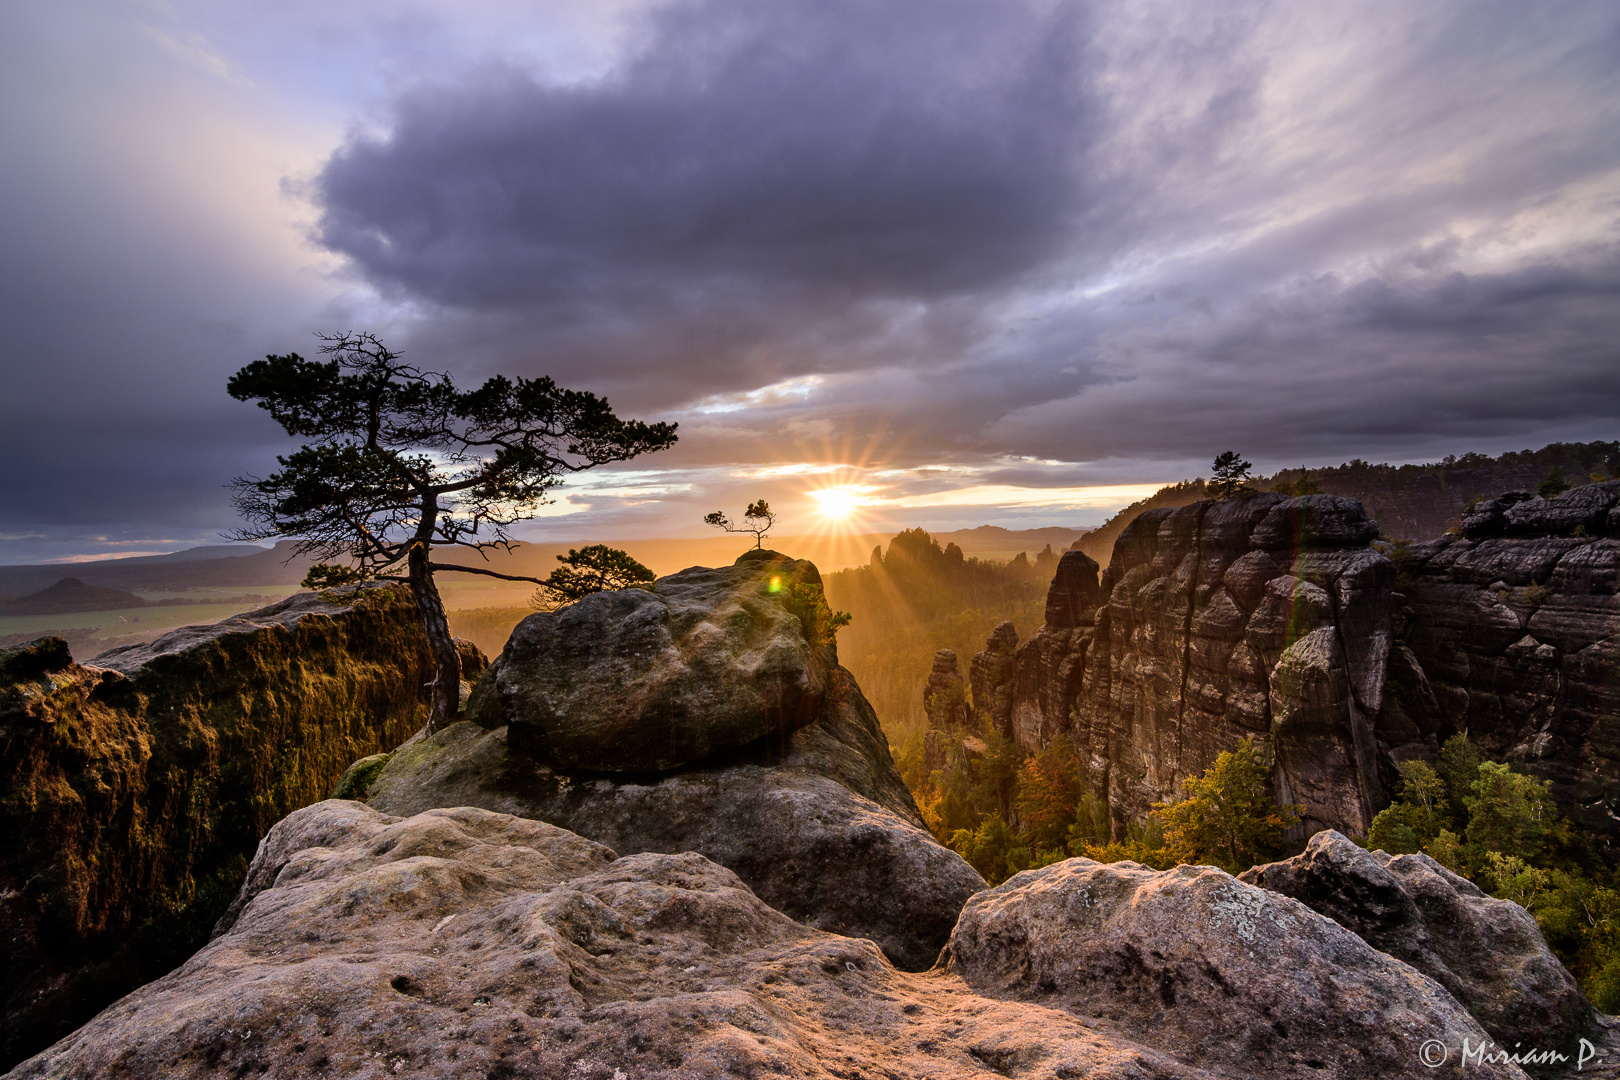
(1220, 974)
(461, 943)
(1488, 953)
(658, 721)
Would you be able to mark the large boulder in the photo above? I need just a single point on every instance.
(461, 943)
(1488, 953)
(1314, 522)
(653, 679)
(825, 832)
(136, 788)
(813, 816)
(1222, 975)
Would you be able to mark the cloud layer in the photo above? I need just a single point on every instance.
(988, 245)
(1075, 231)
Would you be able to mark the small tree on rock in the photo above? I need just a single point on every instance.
(597, 568)
(757, 521)
(399, 462)
(1231, 475)
(1555, 483)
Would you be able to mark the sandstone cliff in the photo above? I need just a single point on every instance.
(137, 789)
(1280, 618)
(1513, 633)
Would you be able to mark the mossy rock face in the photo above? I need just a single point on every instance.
(356, 780)
(137, 788)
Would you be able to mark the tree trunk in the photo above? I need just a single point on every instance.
(446, 664)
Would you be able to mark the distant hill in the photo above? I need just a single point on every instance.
(69, 595)
(206, 567)
(995, 538)
(1412, 502)
(1420, 502)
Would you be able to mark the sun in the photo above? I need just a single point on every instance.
(837, 503)
(841, 506)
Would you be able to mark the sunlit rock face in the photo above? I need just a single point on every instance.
(1209, 970)
(136, 789)
(1278, 618)
(696, 692)
(1261, 615)
(653, 679)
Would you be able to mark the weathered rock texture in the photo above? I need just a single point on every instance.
(815, 819)
(1262, 615)
(461, 943)
(945, 695)
(1219, 974)
(1512, 631)
(991, 676)
(1489, 954)
(1274, 617)
(135, 791)
(653, 679)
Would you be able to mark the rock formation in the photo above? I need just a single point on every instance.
(1489, 954)
(461, 943)
(1260, 615)
(1277, 617)
(1216, 973)
(991, 676)
(700, 717)
(647, 680)
(945, 696)
(136, 790)
(1511, 636)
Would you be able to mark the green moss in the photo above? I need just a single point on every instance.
(131, 815)
(355, 783)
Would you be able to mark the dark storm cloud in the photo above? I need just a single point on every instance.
(902, 149)
(756, 173)
(1496, 361)
(1277, 220)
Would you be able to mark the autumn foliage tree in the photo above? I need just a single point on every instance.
(1050, 785)
(398, 462)
(1227, 816)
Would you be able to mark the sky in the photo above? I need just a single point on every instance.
(956, 262)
